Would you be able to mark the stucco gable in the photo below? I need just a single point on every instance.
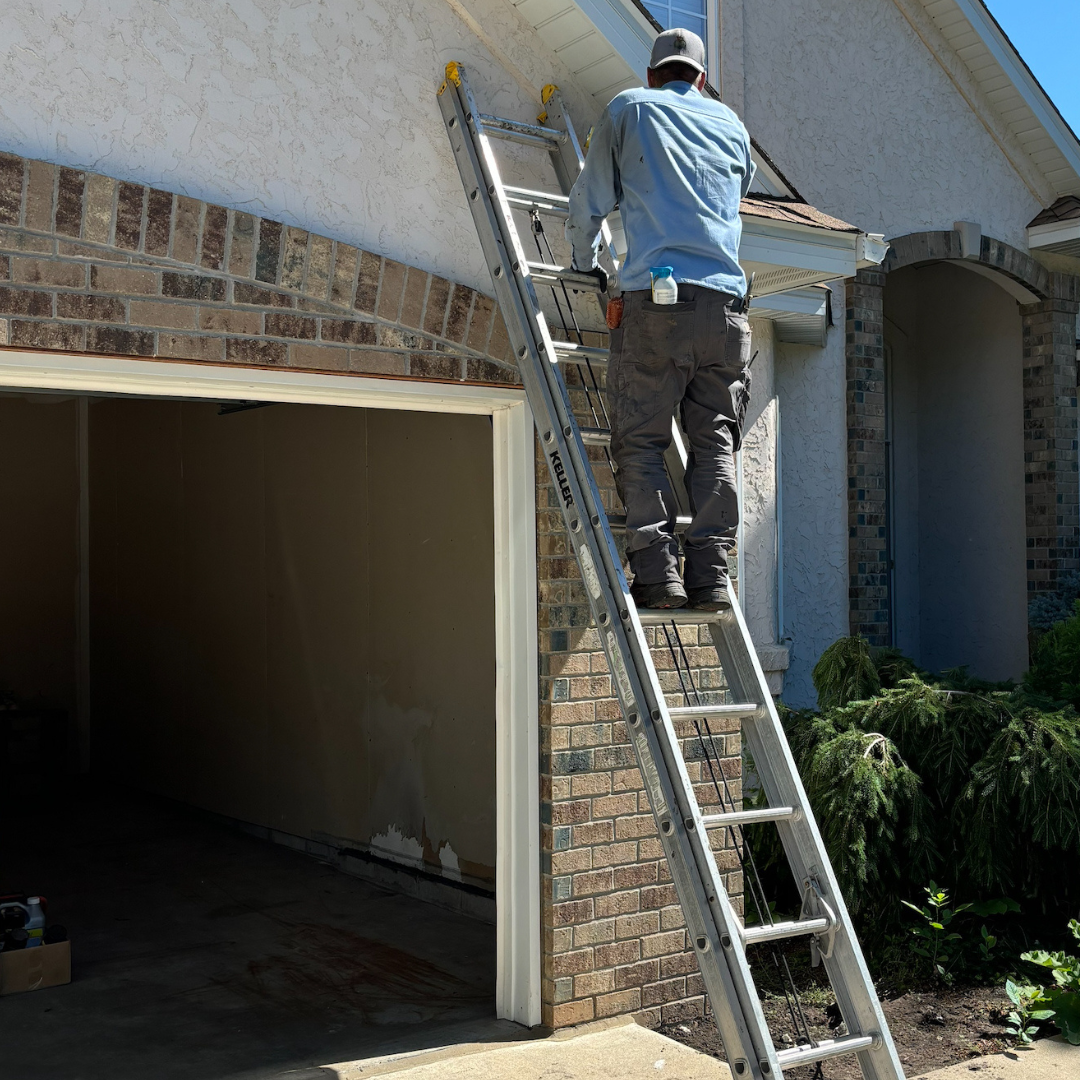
(1001, 88)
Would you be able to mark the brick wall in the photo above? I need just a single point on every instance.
(94, 265)
(1051, 493)
(613, 937)
(868, 544)
(1049, 364)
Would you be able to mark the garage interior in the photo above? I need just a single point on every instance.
(255, 646)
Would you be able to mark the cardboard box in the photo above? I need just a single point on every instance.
(35, 969)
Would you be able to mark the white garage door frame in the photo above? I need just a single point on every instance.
(517, 860)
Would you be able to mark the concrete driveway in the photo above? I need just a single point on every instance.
(1048, 1059)
(621, 1050)
(610, 1050)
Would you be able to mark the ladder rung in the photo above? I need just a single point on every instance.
(570, 353)
(540, 205)
(549, 272)
(807, 1055)
(778, 931)
(691, 712)
(530, 134)
(595, 436)
(681, 616)
(751, 817)
(539, 196)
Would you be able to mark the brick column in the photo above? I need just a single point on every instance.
(868, 544)
(1050, 446)
(612, 931)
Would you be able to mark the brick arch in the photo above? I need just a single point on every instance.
(917, 248)
(91, 264)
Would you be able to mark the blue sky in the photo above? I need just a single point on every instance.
(1047, 35)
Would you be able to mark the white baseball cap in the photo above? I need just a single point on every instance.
(678, 47)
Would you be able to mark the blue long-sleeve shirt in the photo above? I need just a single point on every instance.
(676, 164)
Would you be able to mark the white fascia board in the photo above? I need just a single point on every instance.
(631, 35)
(1054, 232)
(627, 30)
(786, 244)
(1033, 94)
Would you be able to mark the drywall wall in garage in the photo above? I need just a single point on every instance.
(293, 620)
(39, 504)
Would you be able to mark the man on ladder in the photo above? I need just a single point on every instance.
(677, 164)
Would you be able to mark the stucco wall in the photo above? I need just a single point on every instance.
(321, 115)
(811, 386)
(958, 466)
(759, 491)
(867, 125)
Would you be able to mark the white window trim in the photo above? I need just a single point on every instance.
(517, 867)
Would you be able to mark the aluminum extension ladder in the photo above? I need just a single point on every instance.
(718, 935)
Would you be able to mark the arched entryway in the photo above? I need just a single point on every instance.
(954, 408)
(962, 426)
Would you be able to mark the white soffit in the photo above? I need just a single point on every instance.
(1010, 89)
(606, 44)
(800, 317)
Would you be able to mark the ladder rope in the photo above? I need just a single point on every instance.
(738, 839)
(539, 231)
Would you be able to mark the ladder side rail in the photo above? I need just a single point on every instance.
(803, 844)
(723, 968)
(569, 159)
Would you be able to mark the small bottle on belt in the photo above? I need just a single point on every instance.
(665, 289)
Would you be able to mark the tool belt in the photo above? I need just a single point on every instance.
(615, 309)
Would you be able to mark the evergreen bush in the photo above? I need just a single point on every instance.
(917, 777)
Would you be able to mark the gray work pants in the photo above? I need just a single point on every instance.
(691, 355)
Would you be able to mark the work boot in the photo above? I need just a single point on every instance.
(709, 598)
(662, 595)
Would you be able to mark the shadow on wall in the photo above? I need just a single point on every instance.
(957, 515)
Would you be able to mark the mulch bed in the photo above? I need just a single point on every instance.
(931, 1029)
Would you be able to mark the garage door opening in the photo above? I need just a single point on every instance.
(263, 643)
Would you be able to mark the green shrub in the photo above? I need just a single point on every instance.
(915, 777)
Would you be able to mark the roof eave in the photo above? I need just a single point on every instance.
(785, 255)
(1059, 237)
(1035, 97)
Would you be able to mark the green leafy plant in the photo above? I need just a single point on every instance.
(939, 940)
(938, 943)
(1022, 1022)
(1055, 661)
(1064, 996)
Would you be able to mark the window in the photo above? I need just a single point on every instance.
(701, 16)
(687, 14)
